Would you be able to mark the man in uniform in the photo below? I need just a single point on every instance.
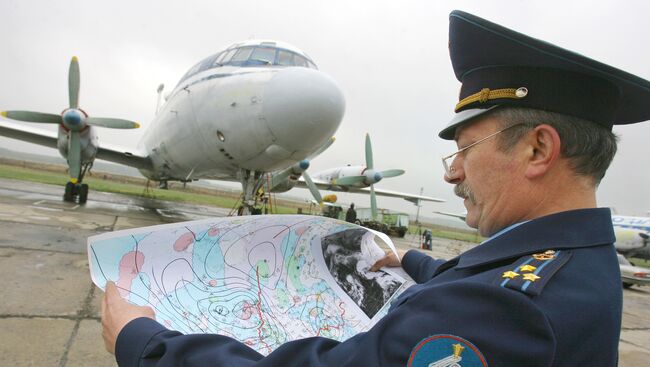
(533, 127)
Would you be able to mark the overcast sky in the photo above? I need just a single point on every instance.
(390, 58)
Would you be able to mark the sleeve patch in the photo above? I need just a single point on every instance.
(444, 350)
(531, 273)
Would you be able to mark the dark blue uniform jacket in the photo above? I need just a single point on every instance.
(544, 293)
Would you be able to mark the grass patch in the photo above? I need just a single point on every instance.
(98, 184)
(449, 234)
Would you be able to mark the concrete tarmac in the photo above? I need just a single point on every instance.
(49, 308)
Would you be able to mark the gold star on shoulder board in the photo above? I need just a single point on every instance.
(509, 274)
(527, 268)
(531, 277)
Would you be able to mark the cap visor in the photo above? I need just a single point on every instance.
(461, 118)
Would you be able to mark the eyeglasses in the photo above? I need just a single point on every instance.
(449, 170)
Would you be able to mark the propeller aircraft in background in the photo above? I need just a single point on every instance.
(361, 179)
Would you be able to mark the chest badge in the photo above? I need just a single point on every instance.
(445, 351)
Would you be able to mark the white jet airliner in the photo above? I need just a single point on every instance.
(256, 108)
(632, 236)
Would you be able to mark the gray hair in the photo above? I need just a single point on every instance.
(590, 147)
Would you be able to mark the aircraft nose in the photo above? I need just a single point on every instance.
(303, 108)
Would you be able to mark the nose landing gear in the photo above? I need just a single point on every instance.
(75, 188)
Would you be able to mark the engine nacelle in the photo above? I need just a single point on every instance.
(284, 186)
(288, 174)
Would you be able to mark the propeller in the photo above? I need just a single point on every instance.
(312, 188)
(369, 177)
(73, 120)
(310, 183)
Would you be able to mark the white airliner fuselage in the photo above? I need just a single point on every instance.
(228, 119)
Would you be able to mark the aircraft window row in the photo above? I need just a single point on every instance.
(251, 56)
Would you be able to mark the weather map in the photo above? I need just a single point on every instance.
(263, 280)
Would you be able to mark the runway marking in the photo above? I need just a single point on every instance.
(39, 202)
(75, 207)
(46, 208)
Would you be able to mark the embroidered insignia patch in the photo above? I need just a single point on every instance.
(444, 350)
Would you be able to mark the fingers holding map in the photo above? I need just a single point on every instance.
(263, 280)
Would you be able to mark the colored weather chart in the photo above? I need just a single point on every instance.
(263, 280)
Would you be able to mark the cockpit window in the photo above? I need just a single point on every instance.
(300, 61)
(285, 58)
(227, 56)
(264, 55)
(241, 56)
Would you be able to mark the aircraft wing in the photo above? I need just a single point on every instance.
(123, 156)
(50, 139)
(414, 198)
(28, 134)
(455, 215)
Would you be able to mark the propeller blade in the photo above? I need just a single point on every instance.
(312, 188)
(373, 202)
(73, 82)
(47, 118)
(392, 172)
(369, 163)
(112, 123)
(349, 180)
(74, 156)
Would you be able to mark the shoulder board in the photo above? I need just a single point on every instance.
(530, 273)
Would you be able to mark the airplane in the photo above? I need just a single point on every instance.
(258, 106)
(632, 236)
(361, 179)
(256, 112)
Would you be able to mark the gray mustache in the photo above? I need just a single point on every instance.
(463, 191)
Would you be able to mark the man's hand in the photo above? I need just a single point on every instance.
(116, 313)
(389, 260)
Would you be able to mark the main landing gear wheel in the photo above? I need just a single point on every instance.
(83, 193)
(69, 192)
(76, 190)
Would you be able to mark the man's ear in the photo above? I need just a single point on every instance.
(544, 150)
